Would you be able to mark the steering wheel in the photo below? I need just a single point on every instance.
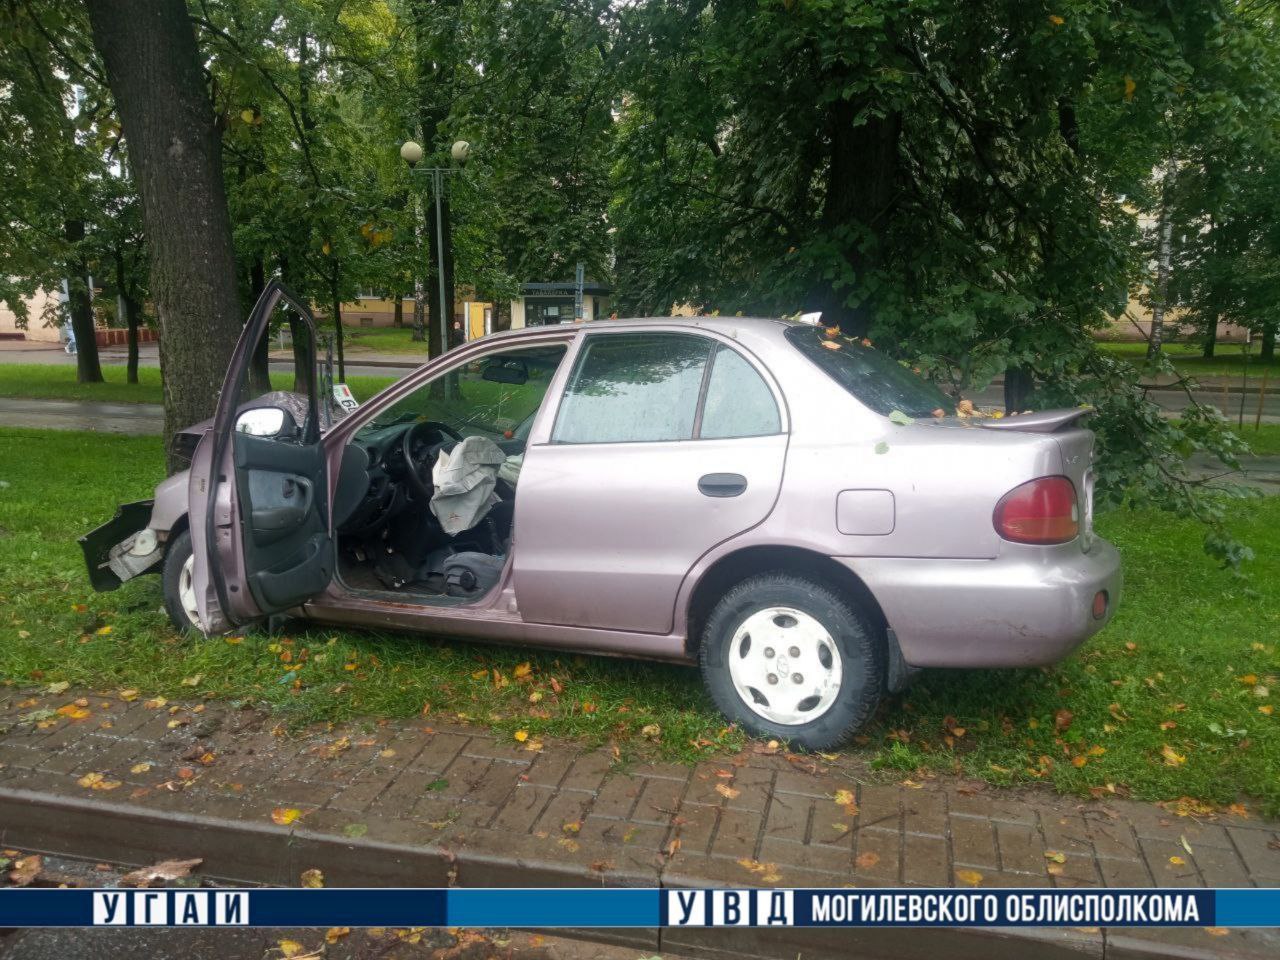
(416, 447)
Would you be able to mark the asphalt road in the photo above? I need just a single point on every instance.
(134, 419)
(148, 357)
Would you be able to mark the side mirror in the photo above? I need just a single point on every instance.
(266, 422)
(512, 370)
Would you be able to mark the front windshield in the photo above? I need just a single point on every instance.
(880, 382)
(490, 397)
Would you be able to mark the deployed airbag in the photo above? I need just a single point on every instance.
(464, 479)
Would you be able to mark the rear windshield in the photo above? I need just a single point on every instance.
(878, 381)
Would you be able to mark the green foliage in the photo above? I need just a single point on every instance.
(963, 183)
(65, 206)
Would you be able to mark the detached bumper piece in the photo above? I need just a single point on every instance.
(108, 549)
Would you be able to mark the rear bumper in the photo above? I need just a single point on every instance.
(1029, 607)
(105, 546)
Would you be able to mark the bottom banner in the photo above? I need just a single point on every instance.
(615, 907)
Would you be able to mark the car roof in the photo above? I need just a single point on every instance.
(730, 326)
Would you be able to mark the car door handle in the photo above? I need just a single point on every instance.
(722, 484)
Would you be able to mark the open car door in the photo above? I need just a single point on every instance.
(258, 495)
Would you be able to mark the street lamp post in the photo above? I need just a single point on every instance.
(411, 153)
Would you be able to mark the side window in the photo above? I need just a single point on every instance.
(633, 387)
(739, 402)
(494, 396)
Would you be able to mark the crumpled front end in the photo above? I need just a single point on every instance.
(133, 541)
(122, 548)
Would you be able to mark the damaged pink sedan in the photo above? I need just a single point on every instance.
(799, 514)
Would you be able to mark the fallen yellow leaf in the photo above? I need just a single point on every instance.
(1055, 856)
(140, 767)
(1171, 757)
(971, 877)
(285, 815)
(313, 879)
(334, 934)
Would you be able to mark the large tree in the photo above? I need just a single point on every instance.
(55, 150)
(153, 66)
(959, 182)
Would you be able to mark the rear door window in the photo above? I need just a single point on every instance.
(634, 387)
(739, 403)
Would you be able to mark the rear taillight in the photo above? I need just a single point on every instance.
(1041, 511)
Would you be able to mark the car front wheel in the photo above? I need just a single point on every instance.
(177, 577)
(788, 657)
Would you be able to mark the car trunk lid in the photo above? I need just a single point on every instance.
(1076, 446)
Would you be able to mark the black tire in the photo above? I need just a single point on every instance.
(859, 643)
(175, 557)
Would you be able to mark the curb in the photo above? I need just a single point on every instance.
(241, 852)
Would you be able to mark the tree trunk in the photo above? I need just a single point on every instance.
(1164, 255)
(154, 68)
(861, 186)
(1018, 384)
(88, 368)
(1268, 351)
(260, 365)
(397, 311)
(133, 310)
(1210, 337)
(128, 313)
(298, 333)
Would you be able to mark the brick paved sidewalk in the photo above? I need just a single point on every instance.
(442, 804)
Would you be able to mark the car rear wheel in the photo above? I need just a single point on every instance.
(788, 657)
(177, 578)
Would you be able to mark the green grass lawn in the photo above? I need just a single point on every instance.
(395, 340)
(58, 382)
(1190, 663)
(1263, 440)
(1228, 360)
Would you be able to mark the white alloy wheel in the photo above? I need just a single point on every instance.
(187, 590)
(785, 666)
